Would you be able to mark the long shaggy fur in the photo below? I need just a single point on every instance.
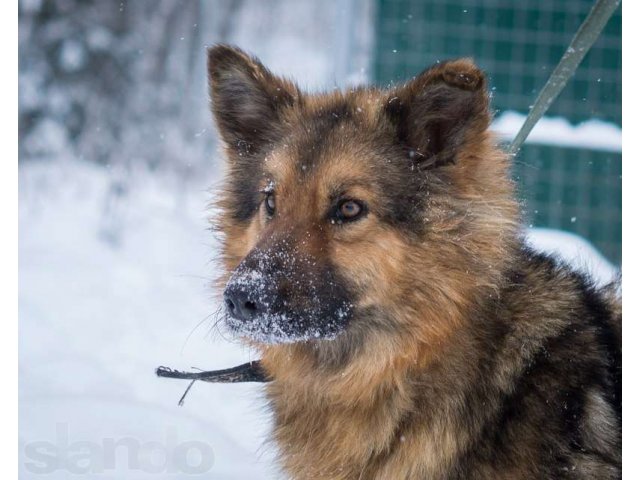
(464, 354)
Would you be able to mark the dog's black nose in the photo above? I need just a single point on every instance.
(240, 305)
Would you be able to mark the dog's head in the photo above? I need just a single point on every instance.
(340, 211)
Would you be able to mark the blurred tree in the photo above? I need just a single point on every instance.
(123, 83)
(116, 82)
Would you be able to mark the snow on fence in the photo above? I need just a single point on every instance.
(591, 134)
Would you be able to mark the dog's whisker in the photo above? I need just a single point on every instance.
(184, 344)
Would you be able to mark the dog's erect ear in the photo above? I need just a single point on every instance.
(246, 98)
(440, 111)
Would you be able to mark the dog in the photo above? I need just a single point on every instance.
(373, 255)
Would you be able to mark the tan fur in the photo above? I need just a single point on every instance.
(372, 393)
(391, 400)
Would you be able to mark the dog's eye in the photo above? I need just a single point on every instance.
(270, 203)
(348, 210)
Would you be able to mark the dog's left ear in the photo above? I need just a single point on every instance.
(247, 99)
(440, 111)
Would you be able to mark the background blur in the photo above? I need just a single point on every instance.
(118, 155)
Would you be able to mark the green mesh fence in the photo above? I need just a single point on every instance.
(518, 43)
(575, 190)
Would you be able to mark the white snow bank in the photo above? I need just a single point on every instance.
(575, 250)
(114, 280)
(110, 287)
(592, 134)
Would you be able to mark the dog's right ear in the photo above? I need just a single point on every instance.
(247, 99)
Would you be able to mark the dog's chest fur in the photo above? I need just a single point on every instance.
(524, 392)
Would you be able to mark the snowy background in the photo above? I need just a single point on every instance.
(117, 166)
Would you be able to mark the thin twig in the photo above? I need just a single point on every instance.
(181, 401)
(247, 372)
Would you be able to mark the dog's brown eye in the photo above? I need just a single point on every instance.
(348, 210)
(270, 203)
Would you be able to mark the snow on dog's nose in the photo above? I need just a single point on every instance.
(240, 304)
(246, 296)
(280, 293)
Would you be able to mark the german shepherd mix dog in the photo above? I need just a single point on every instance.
(374, 258)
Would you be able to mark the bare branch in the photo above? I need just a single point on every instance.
(247, 372)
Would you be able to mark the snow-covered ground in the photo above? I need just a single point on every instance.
(115, 281)
(110, 288)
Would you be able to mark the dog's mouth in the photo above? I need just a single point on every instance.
(289, 327)
(263, 315)
(287, 302)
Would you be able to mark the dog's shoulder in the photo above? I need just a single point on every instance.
(555, 374)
